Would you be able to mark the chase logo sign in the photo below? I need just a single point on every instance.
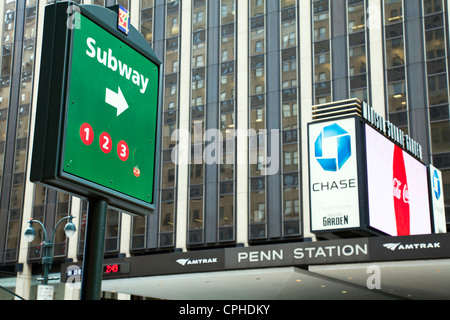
(436, 185)
(333, 148)
(333, 171)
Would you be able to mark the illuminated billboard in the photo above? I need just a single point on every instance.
(397, 188)
(367, 177)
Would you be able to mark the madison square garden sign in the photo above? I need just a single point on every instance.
(96, 121)
(367, 178)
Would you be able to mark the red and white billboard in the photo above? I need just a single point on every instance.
(397, 188)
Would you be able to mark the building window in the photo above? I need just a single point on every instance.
(226, 172)
(147, 20)
(22, 102)
(83, 223)
(257, 88)
(289, 115)
(397, 102)
(434, 25)
(198, 98)
(167, 204)
(139, 224)
(322, 49)
(125, 4)
(112, 231)
(356, 21)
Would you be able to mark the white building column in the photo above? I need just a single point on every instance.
(72, 291)
(375, 58)
(184, 145)
(306, 102)
(23, 280)
(242, 114)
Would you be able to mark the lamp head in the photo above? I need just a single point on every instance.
(70, 228)
(30, 233)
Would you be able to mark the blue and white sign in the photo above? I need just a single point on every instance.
(334, 191)
(436, 184)
(437, 200)
(340, 143)
(124, 20)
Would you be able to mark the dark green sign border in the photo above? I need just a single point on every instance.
(47, 158)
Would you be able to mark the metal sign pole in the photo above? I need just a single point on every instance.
(94, 247)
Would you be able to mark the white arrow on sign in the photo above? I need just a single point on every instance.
(117, 100)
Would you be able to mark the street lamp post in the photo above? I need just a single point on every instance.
(47, 260)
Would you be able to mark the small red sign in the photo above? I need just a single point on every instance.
(122, 151)
(105, 142)
(124, 20)
(86, 134)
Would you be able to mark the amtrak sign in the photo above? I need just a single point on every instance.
(338, 251)
(334, 192)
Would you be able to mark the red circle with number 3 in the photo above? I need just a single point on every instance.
(86, 134)
(105, 142)
(122, 150)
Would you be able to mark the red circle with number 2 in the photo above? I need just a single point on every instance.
(105, 142)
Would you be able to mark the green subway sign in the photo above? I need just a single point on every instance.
(111, 113)
(97, 110)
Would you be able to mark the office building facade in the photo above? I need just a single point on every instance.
(240, 79)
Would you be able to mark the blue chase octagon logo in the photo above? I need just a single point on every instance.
(340, 141)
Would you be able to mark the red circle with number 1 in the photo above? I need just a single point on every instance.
(86, 134)
(105, 142)
(122, 150)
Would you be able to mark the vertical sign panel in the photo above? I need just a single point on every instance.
(437, 200)
(333, 169)
(111, 113)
